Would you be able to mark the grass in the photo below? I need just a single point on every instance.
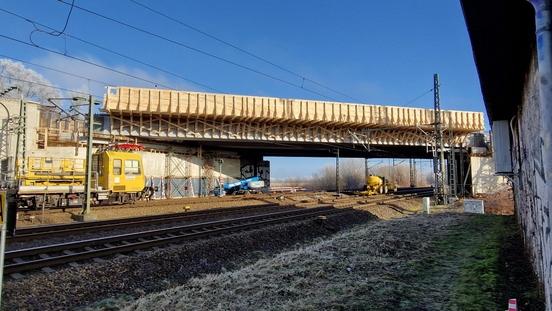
(485, 255)
(437, 262)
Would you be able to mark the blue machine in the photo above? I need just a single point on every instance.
(254, 183)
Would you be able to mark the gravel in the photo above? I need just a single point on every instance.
(366, 268)
(116, 231)
(154, 207)
(130, 277)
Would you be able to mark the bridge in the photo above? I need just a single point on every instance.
(278, 126)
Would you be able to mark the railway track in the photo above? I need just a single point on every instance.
(42, 231)
(37, 232)
(408, 190)
(164, 202)
(34, 258)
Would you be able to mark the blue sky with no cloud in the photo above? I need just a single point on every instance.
(378, 52)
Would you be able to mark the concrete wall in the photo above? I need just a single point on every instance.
(32, 123)
(531, 197)
(185, 165)
(484, 179)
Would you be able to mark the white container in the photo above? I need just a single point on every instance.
(474, 206)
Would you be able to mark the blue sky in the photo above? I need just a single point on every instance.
(380, 52)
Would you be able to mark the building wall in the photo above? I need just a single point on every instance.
(531, 197)
(484, 179)
(32, 122)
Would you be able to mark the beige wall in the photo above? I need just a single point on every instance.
(32, 123)
(483, 178)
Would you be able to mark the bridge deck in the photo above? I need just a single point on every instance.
(192, 116)
(223, 107)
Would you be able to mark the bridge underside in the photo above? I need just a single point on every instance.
(298, 149)
(278, 126)
(273, 139)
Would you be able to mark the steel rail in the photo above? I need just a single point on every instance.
(53, 255)
(53, 230)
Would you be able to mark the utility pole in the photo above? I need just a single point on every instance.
(337, 187)
(88, 178)
(439, 152)
(86, 214)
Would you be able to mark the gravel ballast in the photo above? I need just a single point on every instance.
(130, 277)
(424, 262)
(93, 234)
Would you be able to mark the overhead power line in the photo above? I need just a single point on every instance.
(56, 70)
(53, 32)
(48, 85)
(34, 22)
(418, 97)
(254, 55)
(86, 61)
(206, 53)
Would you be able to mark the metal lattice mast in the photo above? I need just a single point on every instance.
(439, 152)
(21, 142)
(5, 151)
(452, 179)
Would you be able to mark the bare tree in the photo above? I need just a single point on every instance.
(325, 179)
(30, 82)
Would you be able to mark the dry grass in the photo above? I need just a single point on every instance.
(436, 262)
(363, 268)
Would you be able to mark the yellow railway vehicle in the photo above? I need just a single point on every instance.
(117, 177)
(377, 185)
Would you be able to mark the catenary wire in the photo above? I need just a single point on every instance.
(418, 97)
(56, 70)
(234, 46)
(200, 51)
(86, 61)
(49, 86)
(96, 45)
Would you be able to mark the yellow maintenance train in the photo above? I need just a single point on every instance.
(117, 177)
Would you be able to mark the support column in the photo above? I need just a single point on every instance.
(412, 173)
(200, 166)
(337, 186)
(461, 172)
(366, 170)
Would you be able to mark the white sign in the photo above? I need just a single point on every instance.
(474, 206)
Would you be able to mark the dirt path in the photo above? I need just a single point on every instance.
(438, 262)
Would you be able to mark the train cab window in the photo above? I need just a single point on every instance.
(132, 167)
(117, 166)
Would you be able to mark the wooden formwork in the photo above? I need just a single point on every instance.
(226, 107)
